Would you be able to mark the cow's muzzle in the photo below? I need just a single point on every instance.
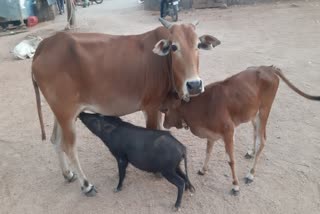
(194, 87)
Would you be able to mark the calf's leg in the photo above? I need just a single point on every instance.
(122, 166)
(229, 141)
(250, 154)
(260, 142)
(204, 169)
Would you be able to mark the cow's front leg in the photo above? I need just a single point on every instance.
(153, 119)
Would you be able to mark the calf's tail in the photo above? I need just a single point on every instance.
(279, 73)
(36, 90)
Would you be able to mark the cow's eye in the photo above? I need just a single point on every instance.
(174, 48)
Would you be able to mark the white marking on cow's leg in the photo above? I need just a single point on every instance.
(56, 139)
(69, 141)
(204, 169)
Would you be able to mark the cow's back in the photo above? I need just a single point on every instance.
(98, 72)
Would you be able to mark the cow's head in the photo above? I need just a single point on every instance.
(182, 48)
(172, 113)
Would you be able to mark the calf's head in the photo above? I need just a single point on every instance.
(182, 48)
(172, 113)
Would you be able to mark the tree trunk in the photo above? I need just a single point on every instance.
(71, 10)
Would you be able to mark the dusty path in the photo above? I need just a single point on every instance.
(288, 175)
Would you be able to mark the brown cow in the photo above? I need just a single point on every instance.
(214, 114)
(113, 75)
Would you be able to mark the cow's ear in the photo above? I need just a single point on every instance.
(162, 48)
(208, 42)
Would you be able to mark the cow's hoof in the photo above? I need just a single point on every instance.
(249, 155)
(91, 192)
(200, 172)
(235, 190)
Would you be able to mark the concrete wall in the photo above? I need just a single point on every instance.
(155, 4)
(187, 4)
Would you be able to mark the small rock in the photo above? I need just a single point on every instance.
(294, 5)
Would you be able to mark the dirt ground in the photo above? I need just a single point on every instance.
(288, 174)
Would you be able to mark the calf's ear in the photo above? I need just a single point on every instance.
(171, 102)
(162, 48)
(208, 42)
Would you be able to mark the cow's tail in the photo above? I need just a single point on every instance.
(37, 92)
(279, 73)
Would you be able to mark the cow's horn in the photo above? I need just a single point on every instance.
(165, 23)
(195, 23)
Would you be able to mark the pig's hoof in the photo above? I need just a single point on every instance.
(91, 191)
(191, 188)
(115, 190)
(176, 209)
(70, 176)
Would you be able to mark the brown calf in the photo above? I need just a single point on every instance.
(246, 96)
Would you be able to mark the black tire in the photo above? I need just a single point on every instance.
(98, 1)
(175, 13)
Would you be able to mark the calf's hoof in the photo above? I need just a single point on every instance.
(90, 192)
(235, 191)
(201, 172)
(249, 178)
(70, 176)
(249, 154)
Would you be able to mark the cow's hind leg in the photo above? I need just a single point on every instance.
(176, 180)
(69, 147)
(56, 140)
